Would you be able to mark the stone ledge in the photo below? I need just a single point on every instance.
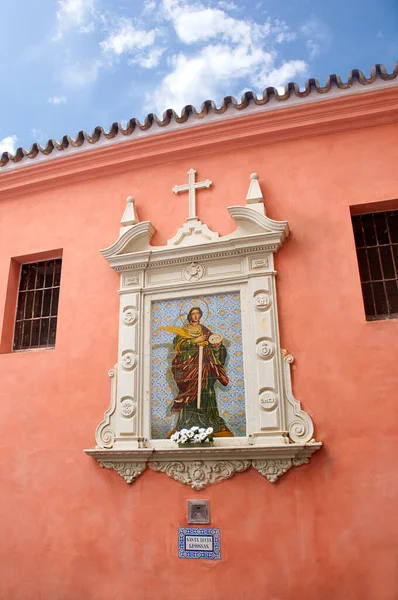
(201, 467)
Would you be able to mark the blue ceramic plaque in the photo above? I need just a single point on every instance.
(195, 542)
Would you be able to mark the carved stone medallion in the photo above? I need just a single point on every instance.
(129, 315)
(129, 360)
(193, 272)
(265, 349)
(262, 301)
(127, 407)
(268, 400)
(200, 473)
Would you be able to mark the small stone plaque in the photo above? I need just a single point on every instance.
(199, 543)
(198, 512)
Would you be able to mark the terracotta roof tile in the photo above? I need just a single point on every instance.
(291, 89)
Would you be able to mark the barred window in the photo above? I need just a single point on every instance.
(376, 240)
(37, 307)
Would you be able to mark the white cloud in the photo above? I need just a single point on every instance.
(227, 5)
(73, 13)
(280, 76)
(80, 73)
(57, 100)
(282, 32)
(313, 48)
(198, 23)
(150, 59)
(127, 38)
(8, 144)
(89, 28)
(149, 6)
(200, 77)
(220, 51)
(318, 36)
(38, 135)
(232, 51)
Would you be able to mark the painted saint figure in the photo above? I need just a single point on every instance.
(198, 363)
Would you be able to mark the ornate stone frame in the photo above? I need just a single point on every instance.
(196, 260)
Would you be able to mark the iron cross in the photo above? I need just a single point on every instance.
(191, 188)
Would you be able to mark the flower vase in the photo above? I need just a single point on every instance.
(196, 445)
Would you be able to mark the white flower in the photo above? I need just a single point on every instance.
(190, 434)
(195, 428)
(209, 430)
(183, 432)
(175, 436)
(197, 437)
(183, 439)
(202, 436)
(202, 430)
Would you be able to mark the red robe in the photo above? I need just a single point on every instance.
(185, 369)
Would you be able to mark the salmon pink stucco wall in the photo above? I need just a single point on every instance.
(73, 531)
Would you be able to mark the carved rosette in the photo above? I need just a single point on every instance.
(129, 360)
(128, 470)
(129, 315)
(272, 468)
(200, 473)
(265, 349)
(128, 407)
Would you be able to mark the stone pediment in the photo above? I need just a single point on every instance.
(135, 238)
(251, 222)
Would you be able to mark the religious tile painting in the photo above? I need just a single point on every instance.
(197, 365)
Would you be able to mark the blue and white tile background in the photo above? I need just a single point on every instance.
(221, 314)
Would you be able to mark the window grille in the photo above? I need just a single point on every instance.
(37, 307)
(376, 240)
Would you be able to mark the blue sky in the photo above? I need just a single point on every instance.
(69, 65)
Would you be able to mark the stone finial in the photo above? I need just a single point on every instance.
(129, 216)
(254, 196)
(254, 193)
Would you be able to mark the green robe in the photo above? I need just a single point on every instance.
(185, 369)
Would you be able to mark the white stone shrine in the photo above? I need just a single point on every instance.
(195, 262)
